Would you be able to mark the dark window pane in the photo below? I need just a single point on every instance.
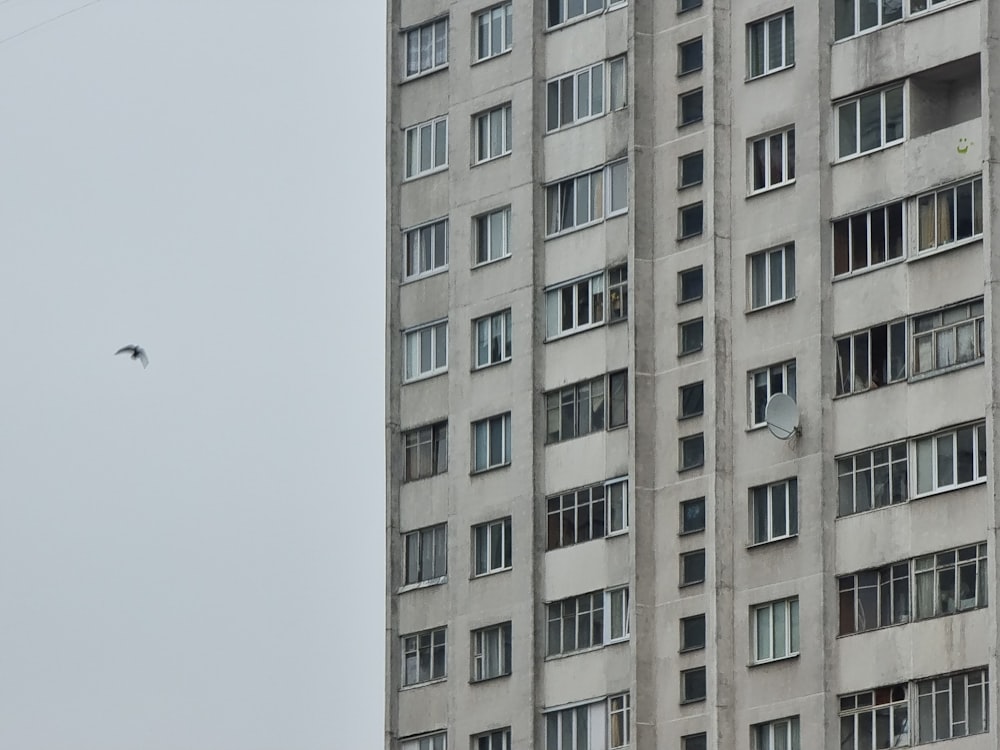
(691, 284)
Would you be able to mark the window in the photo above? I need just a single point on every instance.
(575, 306)
(426, 350)
(426, 249)
(493, 133)
(692, 450)
(693, 515)
(868, 239)
(427, 47)
(494, 30)
(492, 235)
(951, 459)
(873, 478)
(690, 106)
(691, 336)
(562, 11)
(617, 293)
(684, 5)
(854, 16)
(689, 56)
(695, 741)
(430, 742)
(491, 652)
(425, 451)
(774, 511)
(423, 657)
(776, 630)
(777, 735)
(427, 147)
(498, 739)
(690, 284)
(691, 169)
(692, 567)
(766, 383)
(771, 44)
(579, 622)
(772, 161)
(588, 198)
(426, 554)
(919, 6)
(875, 719)
(581, 409)
(950, 216)
(692, 400)
(493, 339)
(589, 513)
(491, 442)
(692, 219)
(874, 598)
(872, 358)
(619, 724)
(948, 337)
(693, 687)
(870, 122)
(491, 543)
(772, 276)
(952, 706)
(951, 581)
(693, 633)
(582, 94)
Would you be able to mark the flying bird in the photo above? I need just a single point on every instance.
(137, 352)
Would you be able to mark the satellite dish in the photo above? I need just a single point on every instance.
(782, 416)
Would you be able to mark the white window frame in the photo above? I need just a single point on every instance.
(862, 708)
(487, 331)
(619, 720)
(974, 688)
(882, 21)
(604, 199)
(856, 370)
(855, 102)
(421, 250)
(585, 722)
(437, 536)
(787, 373)
(415, 146)
(617, 304)
(484, 642)
(599, 404)
(592, 288)
(762, 150)
(494, 536)
(616, 605)
(486, 426)
(785, 23)
(787, 639)
(778, 277)
(931, 205)
(770, 503)
(491, 20)
(591, 509)
(928, 449)
(941, 326)
(590, 92)
(876, 598)
(932, 599)
(884, 472)
(436, 741)
(425, 644)
(435, 438)
(585, 608)
(886, 218)
(589, 8)
(492, 129)
(780, 734)
(438, 30)
(414, 367)
(492, 236)
(497, 739)
(928, 6)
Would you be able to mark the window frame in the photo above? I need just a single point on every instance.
(609, 68)
(483, 152)
(496, 739)
(506, 19)
(787, 18)
(694, 327)
(619, 720)
(597, 297)
(693, 502)
(482, 227)
(682, 443)
(786, 161)
(692, 555)
(432, 649)
(600, 180)
(700, 271)
(431, 739)
(685, 675)
(565, 614)
(681, 160)
(762, 500)
(979, 460)
(613, 407)
(681, 47)
(416, 437)
(684, 120)
(785, 254)
(682, 392)
(789, 375)
(617, 293)
(698, 740)
(950, 562)
(855, 100)
(503, 318)
(480, 658)
(413, 241)
(789, 639)
(975, 185)
(686, 647)
(893, 253)
(682, 212)
(434, 26)
(969, 682)
(438, 539)
(411, 172)
(415, 333)
(789, 732)
(503, 527)
(883, 485)
(505, 448)
(883, 700)
(850, 379)
(974, 318)
(591, 506)
(886, 592)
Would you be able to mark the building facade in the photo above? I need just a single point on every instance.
(617, 229)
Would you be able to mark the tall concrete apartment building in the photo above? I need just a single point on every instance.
(617, 228)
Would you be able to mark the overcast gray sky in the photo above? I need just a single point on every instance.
(191, 556)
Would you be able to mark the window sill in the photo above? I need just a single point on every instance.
(691, 649)
(490, 159)
(869, 269)
(684, 417)
(490, 262)
(691, 184)
(681, 355)
(428, 173)
(683, 237)
(498, 571)
(769, 542)
(491, 365)
(426, 376)
(779, 660)
(424, 73)
(932, 251)
(852, 157)
(616, 535)
(425, 275)
(770, 188)
(415, 685)
(486, 59)
(692, 532)
(692, 122)
(422, 585)
(769, 306)
(488, 469)
(686, 73)
(494, 678)
(685, 469)
(751, 79)
(688, 585)
(689, 300)
(692, 701)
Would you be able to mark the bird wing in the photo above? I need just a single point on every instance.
(142, 358)
(130, 349)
